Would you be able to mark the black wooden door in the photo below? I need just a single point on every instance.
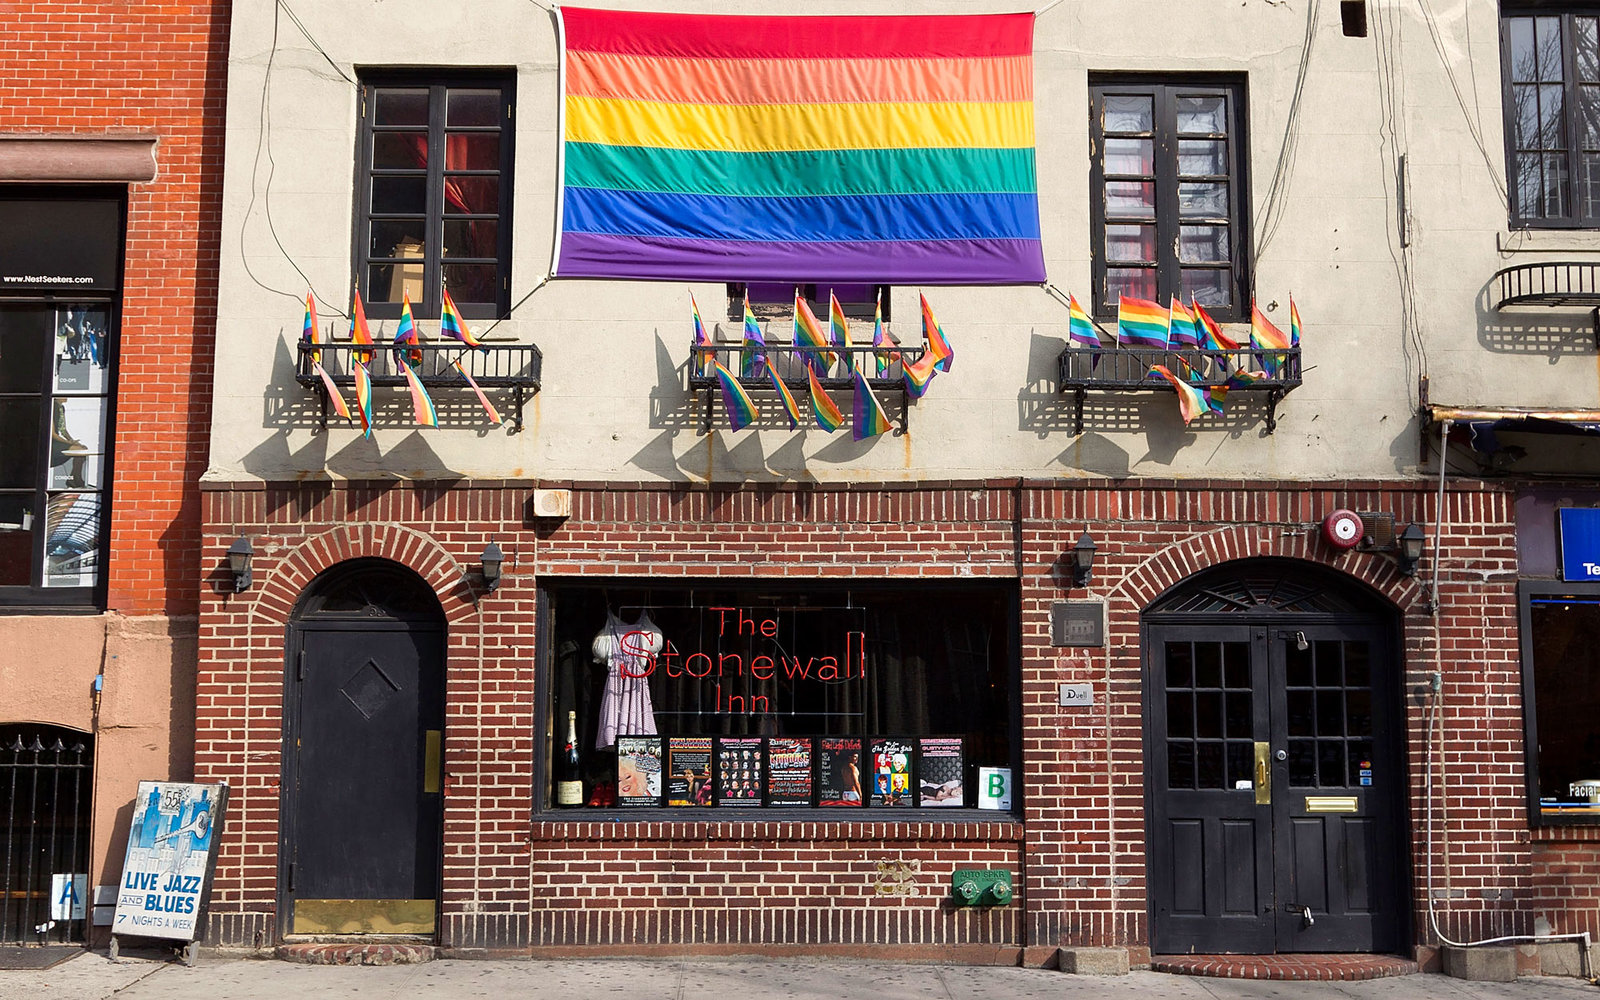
(363, 810)
(1275, 789)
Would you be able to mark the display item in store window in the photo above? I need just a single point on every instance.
(891, 772)
(689, 770)
(628, 651)
(939, 772)
(569, 768)
(839, 771)
(789, 771)
(639, 770)
(740, 768)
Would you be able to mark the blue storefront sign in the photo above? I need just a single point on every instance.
(1580, 543)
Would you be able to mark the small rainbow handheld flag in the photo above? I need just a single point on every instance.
(918, 374)
(488, 407)
(1211, 332)
(1142, 323)
(870, 420)
(1181, 321)
(421, 403)
(741, 410)
(308, 329)
(363, 395)
(701, 339)
(311, 335)
(406, 333)
(1294, 324)
(839, 331)
(1191, 403)
(808, 333)
(933, 333)
(1263, 335)
(453, 326)
(360, 332)
(789, 406)
(1080, 328)
(826, 411)
(882, 358)
(755, 345)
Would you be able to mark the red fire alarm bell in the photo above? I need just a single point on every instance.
(1343, 529)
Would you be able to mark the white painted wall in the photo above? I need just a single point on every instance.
(614, 406)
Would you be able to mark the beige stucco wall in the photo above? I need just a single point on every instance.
(613, 403)
(144, 729)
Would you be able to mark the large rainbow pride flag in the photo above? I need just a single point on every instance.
(894, 149)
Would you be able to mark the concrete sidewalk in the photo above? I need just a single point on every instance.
(93, 977)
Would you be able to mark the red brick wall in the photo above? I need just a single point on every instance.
(126, 66)
(511, 882)
(1566, 879)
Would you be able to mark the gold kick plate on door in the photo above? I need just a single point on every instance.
(1263, 774)
(432, 740)
(1331, 804)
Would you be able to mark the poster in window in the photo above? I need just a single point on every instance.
(839, 771)
(789, 771)
(72, 536)
(638, 770)
(77, 430)
(891, 772)
(939, 771)
(82, 344)
(739, 771)
(688, 770)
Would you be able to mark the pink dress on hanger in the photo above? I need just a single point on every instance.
(625, 708)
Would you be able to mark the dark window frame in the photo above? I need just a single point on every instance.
(1164, 89)
(1526, 591)
(35, 596)
(1571, 117)
(812, 291)
(434, 218)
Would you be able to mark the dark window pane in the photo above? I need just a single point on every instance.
(471, 195)
(391, 282)
(1129, 156)
(400, 106)
(472, 151)
(1589, 101)
(1128, 113)
(1203, 199)
(72, 534)
(1591, 185)
(17, 527)
(1241, 764)
(1552, 122)
(1180, 714)
(1207, 665)
(471, 282)
(471, 238)
(1525, 106)
(1330, 713)
(1136, 198)
(1137, 283)
(1524, 64)
(1209, 770)
(1203, 244)
(472, 107)
(1180, 764)
(1301, 719)
(19, 442)
(1357, 665)
(1134, 243)
(1360, 760)
(1200, 157)
(1236, 664)
(77, 442)
(1555, 185)
(1210, 287)
(400, 151)
(399, 195)
(1240, 723)
(1180, 665)
(1330, 663)
(397, 238)
(1585, 43)
(1302, 763)
(1202, 114)
(1565, 662)
(1330, 763)
(25, 333)
(1358, 708)
(1298, 666)
(1208, 714)
(1529, 186)
(1548, 49)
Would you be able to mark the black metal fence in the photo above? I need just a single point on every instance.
(45, 783)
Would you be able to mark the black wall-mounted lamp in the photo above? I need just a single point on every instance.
(1411, 542)
(1082, 560)
(492, 558)
(239, 555)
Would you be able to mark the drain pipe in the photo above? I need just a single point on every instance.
(1436, 711)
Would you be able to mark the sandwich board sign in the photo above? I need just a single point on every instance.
(166, 875)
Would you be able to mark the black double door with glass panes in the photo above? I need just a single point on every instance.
(1275, 787)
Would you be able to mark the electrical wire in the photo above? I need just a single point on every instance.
(1474, 126)
(314, 43)
(1392, 146)
(1278, 188)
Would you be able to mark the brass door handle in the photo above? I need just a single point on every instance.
(1263, 774)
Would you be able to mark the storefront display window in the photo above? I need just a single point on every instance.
(823, 697)
(1560, 665)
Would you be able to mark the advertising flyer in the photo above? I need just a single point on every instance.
(638, 770)
(739, 771)
(839, 771)
(688, 770)
(166, 874)
(891, 772)
(789, 771)
(939, 772)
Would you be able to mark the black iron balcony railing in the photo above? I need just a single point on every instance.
(788, 360)
(1551, 283)
(1127, 369)
(517, 367)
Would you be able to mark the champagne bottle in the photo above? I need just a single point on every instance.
(569, 768)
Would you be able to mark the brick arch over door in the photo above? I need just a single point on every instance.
(286, 580)
(1171, 566)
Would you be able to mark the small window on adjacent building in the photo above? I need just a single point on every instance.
(434, 196)
(775, 299)
(1551, 69)
(1168, 194)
